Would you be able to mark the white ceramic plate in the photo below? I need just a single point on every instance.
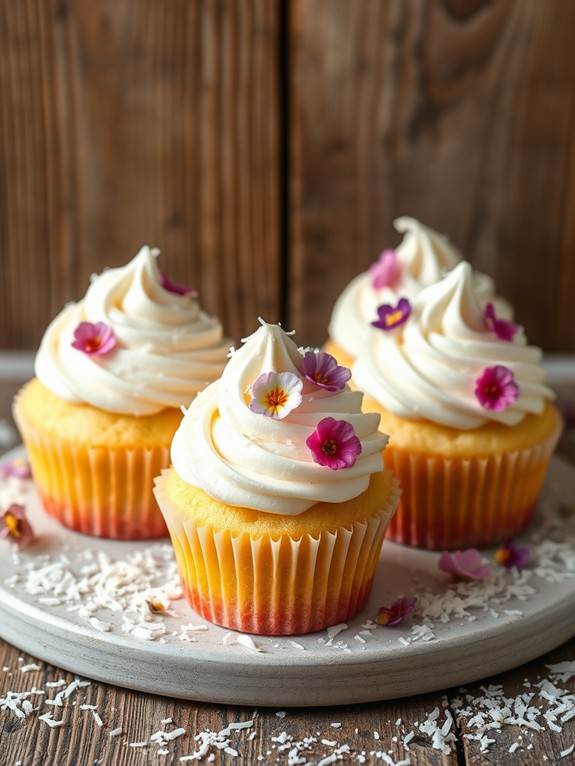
(458, 633)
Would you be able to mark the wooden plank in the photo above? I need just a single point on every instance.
(460, 113)
(126, 123)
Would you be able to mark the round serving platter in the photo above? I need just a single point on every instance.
(110, 611)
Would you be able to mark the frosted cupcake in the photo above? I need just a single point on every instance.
(277, 501)
(112, 373)
(472, 425)
(421, 259)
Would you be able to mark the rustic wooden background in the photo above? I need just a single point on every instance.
(267, 145)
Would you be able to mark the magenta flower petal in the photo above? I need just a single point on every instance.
(97, 339)
(392, 316)
(18, 467)
(323, 370)
(385, 272)
(464, 564)
(276, 394)
(511, 555)
(394, 614)
(496, 388)
(15, 527)
(503, 328)
(334, 444)
(171, 287)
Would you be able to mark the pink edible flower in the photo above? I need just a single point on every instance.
(14, 526)
(334, 444)
(323, 370)
(171, 287)
(496, 388)
(392, 316)
(464, 564)
(97, 339)
(385, 272)
(511, 555)
(394, 614)
(503, 328)
(18, 468)
(276, 394)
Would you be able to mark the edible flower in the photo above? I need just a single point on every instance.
(323, 370)
(334, 444)
(386, 271)
(19, 468)
(394, 614)
(97, 339)
(496, 388)
(503, 328)
(511, 555)
(14, 526)
(171, 287)
(466, 565)
(392, 316)
(276, 394)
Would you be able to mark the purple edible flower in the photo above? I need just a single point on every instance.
(392, 316)
(464, 564)
(496, 388)
(394, 614)
(323, 370)
(503, 328)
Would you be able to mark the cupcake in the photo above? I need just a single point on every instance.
(472, 425)
(111, 375)
(277, 501)
(421, 259)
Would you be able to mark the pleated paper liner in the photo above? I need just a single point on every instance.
(457, 503)
(276, 586)
(98, 491)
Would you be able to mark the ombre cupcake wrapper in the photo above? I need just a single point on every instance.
(282, 586)
(456, 503)
(97, 490)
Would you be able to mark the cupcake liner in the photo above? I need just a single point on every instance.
(270, 586)
(456, 503)
(98, 491)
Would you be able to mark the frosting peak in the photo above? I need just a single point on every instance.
(166, 350)
(242, 457)
(430, 366)
(422, 258)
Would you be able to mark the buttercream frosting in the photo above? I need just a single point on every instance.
(423, 257)
(167, 347)
(427, 368)
(246, 459)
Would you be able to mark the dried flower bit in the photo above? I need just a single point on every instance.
(15, 527)
(276, 394)
(323, 370)
(390, 317)
(19, 468)
(496, 388)
(172, 287)
(97, 339)
(511, 555)
(155, 606)
(334, 444)
(466, 565)
(394, 614)
(385, 272)
(504, 329)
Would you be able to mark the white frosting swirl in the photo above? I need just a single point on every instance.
(167, 349)
(424, 256)
(246, 459)
(427, 367)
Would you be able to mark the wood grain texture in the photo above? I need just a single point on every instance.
(458, 112)
(124, 123)
(353, 733)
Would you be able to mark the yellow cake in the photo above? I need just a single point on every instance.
(112, 373)
(471, 423)
(277, 524)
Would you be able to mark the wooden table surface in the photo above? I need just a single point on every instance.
(392, 732)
